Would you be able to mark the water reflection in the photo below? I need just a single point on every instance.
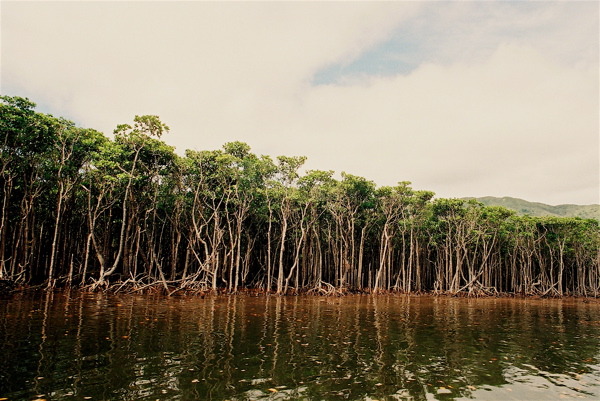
(76, 346)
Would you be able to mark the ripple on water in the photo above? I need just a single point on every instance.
(293, 348)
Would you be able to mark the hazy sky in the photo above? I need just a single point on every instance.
(461, 98)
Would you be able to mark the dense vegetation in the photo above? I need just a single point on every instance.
(524, 207)
(80, 209)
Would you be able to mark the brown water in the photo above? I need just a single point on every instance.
(104, 347)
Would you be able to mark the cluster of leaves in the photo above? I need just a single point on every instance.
(81, 209)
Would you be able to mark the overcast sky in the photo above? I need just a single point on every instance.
(461, 98)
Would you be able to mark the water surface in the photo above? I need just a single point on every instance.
(74, 346)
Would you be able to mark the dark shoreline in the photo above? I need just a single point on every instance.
(158, 290)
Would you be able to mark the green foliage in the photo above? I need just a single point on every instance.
(131, 210)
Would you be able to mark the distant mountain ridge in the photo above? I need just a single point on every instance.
(524, 207)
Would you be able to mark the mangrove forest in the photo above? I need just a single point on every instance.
(128, 213)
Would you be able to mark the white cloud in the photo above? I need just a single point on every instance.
(475, 129)
(146, 55)
(505, 104)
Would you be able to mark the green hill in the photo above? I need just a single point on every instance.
(541, 209)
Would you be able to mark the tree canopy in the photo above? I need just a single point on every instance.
(81, 209)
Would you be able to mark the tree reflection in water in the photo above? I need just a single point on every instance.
(126, 347)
